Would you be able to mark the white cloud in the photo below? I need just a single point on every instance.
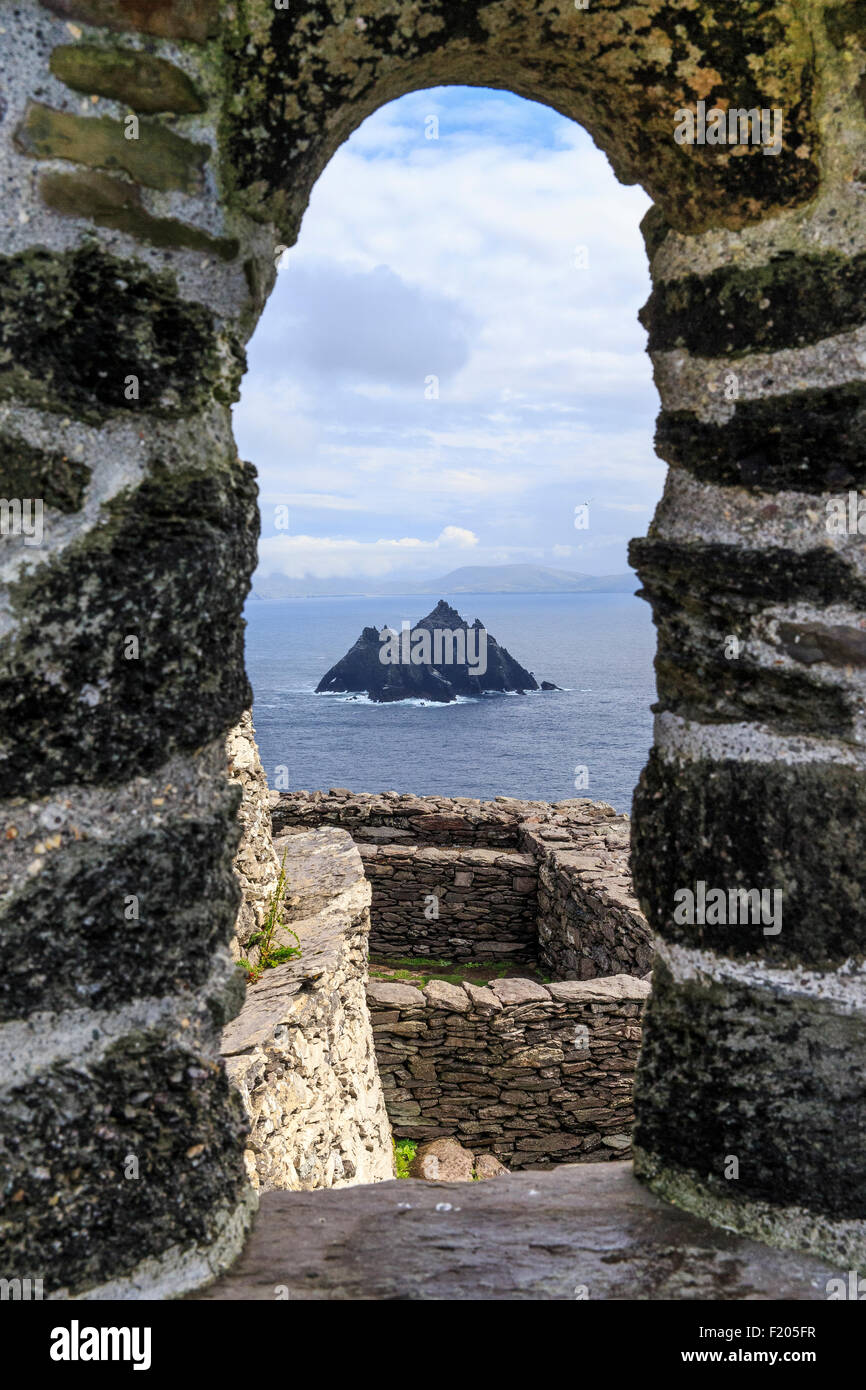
(454, 258)
(323, 556)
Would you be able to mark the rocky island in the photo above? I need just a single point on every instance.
(440, 658)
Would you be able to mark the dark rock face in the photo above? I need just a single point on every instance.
(438, 659)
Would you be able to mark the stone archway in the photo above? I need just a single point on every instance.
(156, 152)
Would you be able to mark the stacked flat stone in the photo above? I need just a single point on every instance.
(463, 904)
(751, 1098)
(536, 1074)
(588, 921)
(124, 305)
(394, 817)
(256, 865)
(301, 1049)
(557, 891)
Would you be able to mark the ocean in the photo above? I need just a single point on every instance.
(598, 647)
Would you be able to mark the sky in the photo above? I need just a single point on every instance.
(450, 362)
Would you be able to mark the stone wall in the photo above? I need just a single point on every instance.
(300, 1052)
(588, 920)
(133, 273)
(452, 904)
(556, 887)
(532, 1073)
(257, 867)
(397, 817)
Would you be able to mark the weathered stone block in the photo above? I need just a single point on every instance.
(764, 827)
(76, 327)
(156, 157)
(112, 203)
(139, 80)
(197, 20)
(774, 1079)
(169, 567)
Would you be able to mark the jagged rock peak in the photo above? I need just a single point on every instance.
(441, 658)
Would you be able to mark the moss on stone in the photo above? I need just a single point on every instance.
(802, 441)
(109, 202)
(736, 824)
(69, 1139)
(733, 579)
(141, 81)
(167, 19)
(65, 934)
(698, 684)
(789, 302)
(28, 471)
(171, 566)
(298, 89)
(75, 326)
(847, 21)
(775, 1081)
(157, 157)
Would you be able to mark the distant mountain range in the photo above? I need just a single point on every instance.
(469, 579)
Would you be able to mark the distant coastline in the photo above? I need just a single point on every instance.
(470, 579)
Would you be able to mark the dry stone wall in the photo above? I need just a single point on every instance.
(256, 865)
(534, 1074)
(456, 904)
(300, 1052)
(402, 817)
(588, 919)
(528, 880)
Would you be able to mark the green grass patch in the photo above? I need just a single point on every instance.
(420, 970)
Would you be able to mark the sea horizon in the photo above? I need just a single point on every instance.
(597, 728)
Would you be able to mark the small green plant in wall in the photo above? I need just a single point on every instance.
(404, 1152)
(271, 955)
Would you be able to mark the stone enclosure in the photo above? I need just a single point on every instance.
(132, 272)
(522, 879)
(533, 1073)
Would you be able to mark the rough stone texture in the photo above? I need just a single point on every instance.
(107, 896)
(157, 157)
(535, 1077)
(257, 866)
(486, 1166)
(588, 919)
(485, 902)
(807, 1060)
(74, 328)
(403, 817)
(620, 74)
(121, 673)
(795, 831)
(521, 879)
(118, 205)
(139, 80)
(442, 1160)
(168, 569)
(171, 19)
(580, 1232)
(757, 266)
(301, 1049)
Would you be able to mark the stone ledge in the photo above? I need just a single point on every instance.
(530, 1236)
(300, 1052)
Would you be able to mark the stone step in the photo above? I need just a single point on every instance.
(579, 1232)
